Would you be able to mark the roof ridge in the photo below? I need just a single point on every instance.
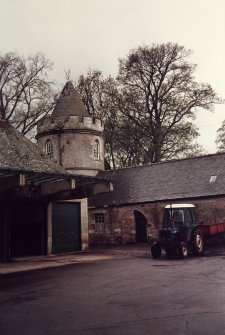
(167, 162)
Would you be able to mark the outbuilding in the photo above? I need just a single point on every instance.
(133, 212)
(43, 207)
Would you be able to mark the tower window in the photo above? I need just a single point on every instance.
(96, 149)
(49, 148)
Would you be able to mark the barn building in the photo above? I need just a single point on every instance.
(133, 212)
(43, 195)
(44, 191)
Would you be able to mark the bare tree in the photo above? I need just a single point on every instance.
(159, 94)
(149, 109)
(26, 94)
(96, 91)
(93, 88)
(220, 140)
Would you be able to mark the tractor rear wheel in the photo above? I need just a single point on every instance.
(197, 242)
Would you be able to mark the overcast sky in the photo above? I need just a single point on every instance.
(83, 34)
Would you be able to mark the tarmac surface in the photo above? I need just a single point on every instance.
(114, 290)
(98, 253)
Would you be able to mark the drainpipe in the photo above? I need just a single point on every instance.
(60, 127)
(60, 149)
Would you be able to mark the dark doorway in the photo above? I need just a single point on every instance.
(66, 227)
(141, 227)
(28, 229)
(1, 230)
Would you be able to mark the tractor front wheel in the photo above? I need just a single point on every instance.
(183, 250)
(156, 250)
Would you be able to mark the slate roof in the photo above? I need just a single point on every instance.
(178, 179)
(69, 103)
(17, 152)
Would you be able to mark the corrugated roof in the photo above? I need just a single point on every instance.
(69, 103)
(38, 177)
(16, 151)
(179, 179)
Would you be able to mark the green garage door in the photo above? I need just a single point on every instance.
(66, 227)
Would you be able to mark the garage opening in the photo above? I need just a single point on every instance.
(1, 231)
(28, 229)
(141, 227)
(66, 227)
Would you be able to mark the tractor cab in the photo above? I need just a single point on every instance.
(179, 216)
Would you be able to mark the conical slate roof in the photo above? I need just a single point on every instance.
(69, 103)
(17, 152)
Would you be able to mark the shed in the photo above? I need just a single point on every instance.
(43, 207)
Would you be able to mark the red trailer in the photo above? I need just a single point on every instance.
(213, 229)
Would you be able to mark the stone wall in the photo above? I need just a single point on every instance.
(119, 222)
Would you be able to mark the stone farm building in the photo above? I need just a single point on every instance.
(44, 191)
(134, 210)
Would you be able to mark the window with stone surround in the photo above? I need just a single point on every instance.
(99, 217)
(99, 223)
(49, 148)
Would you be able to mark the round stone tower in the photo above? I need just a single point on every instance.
(72, 136)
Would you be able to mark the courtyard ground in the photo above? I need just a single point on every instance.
(119, 290)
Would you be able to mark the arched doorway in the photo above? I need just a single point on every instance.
(141, 227)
